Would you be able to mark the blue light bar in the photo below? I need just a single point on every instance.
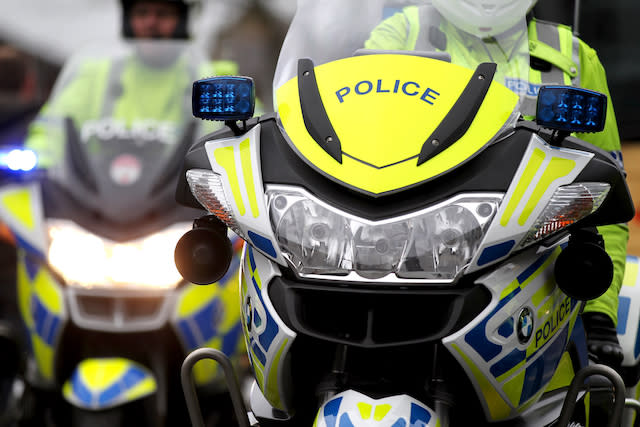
(571, 109)
(18, 160)
(223, 98)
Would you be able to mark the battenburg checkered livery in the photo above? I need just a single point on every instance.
(413, 242)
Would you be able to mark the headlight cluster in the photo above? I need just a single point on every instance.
(433, 244)
(84, 259)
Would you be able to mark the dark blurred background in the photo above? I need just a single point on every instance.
(251, 32)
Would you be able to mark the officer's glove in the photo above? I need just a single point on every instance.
(602, 340)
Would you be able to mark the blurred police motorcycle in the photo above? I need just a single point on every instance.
(107, 319)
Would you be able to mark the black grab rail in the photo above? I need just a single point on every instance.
(578, 382)
(189, 388)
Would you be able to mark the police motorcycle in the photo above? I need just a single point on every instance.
(418, 254)
(107, 317)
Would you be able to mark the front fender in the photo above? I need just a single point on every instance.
(351, 408)
(104, 383)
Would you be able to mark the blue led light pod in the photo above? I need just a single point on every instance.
(223, 98)
(571, 109)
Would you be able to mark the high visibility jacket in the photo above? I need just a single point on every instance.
(124, 90)
(557, 57)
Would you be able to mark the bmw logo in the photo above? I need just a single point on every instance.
(525, 326)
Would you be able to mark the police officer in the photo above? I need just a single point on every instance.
(150, 85)
(556, 57)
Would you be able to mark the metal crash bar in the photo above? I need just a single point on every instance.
(572, 394)
(189, 388)
(632, 404)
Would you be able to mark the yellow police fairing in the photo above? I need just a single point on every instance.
(383, 108)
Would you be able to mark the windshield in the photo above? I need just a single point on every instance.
(330, 30)
(119, 119)
(136, 94)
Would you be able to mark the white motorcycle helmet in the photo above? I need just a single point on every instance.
(484, 18)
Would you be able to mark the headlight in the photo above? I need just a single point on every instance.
(314, 238)
(84, 259)
(569, 204)
(433, 244)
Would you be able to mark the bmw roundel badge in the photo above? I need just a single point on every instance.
(525, 325)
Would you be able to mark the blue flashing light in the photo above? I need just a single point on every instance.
(571, 109)
(18, 160)
(224, 98)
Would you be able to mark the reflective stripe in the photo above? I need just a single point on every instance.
(226, 158)
(427, 20)
(114, 85)
(247, 174)
(412, 27)
(561, 39)
(575, 54)
(566, 47)
(533, 166)
(549, 34)
(565, 69)
(273, 379)
(409, 27)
